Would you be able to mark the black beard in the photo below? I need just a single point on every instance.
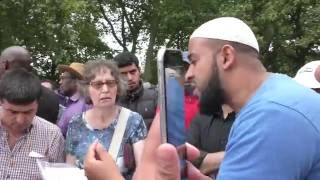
(188, 90)
(213, 96)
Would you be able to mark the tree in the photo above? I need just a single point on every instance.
(123, 19)
(287, 31)
(55, 31)
(170, 24)
(62, 31)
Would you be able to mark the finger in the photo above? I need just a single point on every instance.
(148, 161)
(168, 163)
(153, 139)
(90, 158)
(101, 153)
(91, 152)
(195, 174)
(192, 152)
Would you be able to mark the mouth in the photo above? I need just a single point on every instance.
(105, 98)
(131, 84)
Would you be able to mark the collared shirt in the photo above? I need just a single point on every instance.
(43, 141)
(72, 110)
(66, 101)
(215, 128)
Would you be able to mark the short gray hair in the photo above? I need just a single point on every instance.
(93, 67)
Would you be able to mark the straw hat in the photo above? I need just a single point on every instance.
(74, 68)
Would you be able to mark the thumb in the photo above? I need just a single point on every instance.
(195, 174)
(168, 163)
(91, 151)
(101, 153)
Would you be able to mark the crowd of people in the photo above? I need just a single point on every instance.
(243, 122)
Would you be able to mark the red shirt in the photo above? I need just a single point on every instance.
(191, 109)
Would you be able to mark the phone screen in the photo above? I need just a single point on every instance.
(171, 77)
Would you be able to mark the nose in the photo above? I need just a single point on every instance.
(189, 76)
(129, 77)
(104, 88)
(20, 118)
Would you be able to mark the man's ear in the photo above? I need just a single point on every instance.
(228, 55)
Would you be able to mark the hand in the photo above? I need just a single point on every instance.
(99, 165)
(161, 162)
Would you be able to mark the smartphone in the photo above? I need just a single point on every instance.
(171, 71)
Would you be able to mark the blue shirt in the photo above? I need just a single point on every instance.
(81, 135)
(275, 135)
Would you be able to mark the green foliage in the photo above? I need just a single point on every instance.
(55, 31)
(63, 31)
(287, 31)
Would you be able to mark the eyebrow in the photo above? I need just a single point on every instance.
(25, 111)
(191, 56)
(100, 80)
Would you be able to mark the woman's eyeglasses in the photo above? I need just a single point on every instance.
(98, 84)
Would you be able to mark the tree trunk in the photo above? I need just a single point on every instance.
(150, 73)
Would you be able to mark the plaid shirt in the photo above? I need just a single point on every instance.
(43, 139)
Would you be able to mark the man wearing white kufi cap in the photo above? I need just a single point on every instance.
(309, 75)
(275, 115)
(276, 132)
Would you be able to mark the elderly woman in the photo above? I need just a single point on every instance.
(103, 85)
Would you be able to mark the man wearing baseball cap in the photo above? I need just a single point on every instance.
(309, 75)
(276, 131)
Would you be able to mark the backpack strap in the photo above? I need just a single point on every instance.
(118, 133)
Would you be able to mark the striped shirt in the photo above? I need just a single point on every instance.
(43, 141)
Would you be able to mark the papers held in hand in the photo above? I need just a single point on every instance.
(60, 171)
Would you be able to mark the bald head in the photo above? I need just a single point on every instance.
(16, 57)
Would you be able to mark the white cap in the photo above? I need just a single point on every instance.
(228, 29)
(307, 75)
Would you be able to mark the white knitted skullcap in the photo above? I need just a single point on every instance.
(229, 29)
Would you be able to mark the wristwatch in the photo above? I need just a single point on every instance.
(197, 162)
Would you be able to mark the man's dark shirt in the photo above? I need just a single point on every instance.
(210, 134)
(48, 105)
